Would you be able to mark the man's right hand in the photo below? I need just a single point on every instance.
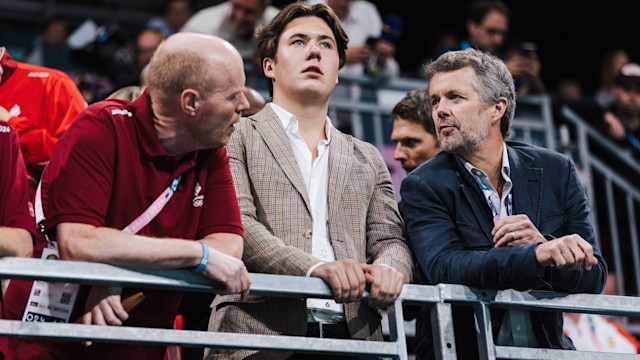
(103, 307)
(570, 251)
(345, 278)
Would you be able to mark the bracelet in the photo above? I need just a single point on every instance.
(204, 259)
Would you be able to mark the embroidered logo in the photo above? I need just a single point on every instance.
(198, 200)
(38, 74)
(121, 112)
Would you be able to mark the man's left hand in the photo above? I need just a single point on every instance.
(386, 284)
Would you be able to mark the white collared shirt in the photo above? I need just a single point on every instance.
(316, 177)
(501, 205)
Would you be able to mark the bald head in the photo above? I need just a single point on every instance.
(193, 61)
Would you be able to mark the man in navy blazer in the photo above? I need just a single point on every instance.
(493, 214)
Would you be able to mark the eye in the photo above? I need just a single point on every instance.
(326, 44)
(297, 42)
(409, 143)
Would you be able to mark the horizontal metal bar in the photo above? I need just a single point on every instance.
(507, 352)
(184, 280)
(190, 338)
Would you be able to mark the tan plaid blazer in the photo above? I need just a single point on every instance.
(364, 224)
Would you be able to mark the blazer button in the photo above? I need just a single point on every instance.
(307, 234)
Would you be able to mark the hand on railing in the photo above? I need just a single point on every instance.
(345, 278)
(568, 251)
(229, 271)
(386, 284)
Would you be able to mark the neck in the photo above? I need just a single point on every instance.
(172, 140)
(312, 121)
(488, 158)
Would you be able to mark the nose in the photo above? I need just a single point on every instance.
(243, 103)
(398, 153)
(313, 50)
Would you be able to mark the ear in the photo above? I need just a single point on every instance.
(189, 101)
(267, 67)
(499, 109)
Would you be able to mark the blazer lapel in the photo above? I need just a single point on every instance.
(270, 128)
(527, 185)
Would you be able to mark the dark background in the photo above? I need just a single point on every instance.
(571, 36)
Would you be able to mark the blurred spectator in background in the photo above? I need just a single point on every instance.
(622, 118)
(612, 61)
(487, 30)
(130, 92)
(371, 43)
(39, 103)
(176, 14)
(256, 101)
(105, 59)
(413, 131)
(50, 49)
(620, 122)
(569, 89)
(592, 332)
(236, 21)
(147, 42)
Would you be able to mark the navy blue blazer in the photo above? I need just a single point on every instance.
(449, 227)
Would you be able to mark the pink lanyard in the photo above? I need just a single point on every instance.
(153, 210)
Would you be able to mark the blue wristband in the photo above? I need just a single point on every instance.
(205, 257)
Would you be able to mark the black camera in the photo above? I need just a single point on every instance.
(528, 49)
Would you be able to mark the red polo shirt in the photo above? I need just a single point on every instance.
(43, 103)
(106, 171)
(15, 208)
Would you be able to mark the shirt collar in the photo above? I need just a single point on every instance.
(290, 123)
(505, 171)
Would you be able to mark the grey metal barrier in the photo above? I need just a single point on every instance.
(439, 297)
(614, 196)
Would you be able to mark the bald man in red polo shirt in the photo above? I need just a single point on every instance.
(111, 166)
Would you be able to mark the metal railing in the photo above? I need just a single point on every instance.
(439, 297)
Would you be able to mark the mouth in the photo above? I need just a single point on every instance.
(313, 69)
(447, 129)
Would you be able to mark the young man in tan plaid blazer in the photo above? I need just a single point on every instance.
(314, 201)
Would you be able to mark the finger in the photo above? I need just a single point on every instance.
(355, 278)
(108, 316)
(86, 319)
(340, 285)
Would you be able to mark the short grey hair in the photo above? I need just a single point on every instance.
(493, 78)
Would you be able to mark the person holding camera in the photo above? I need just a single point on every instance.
(371, 43)
(487, 30)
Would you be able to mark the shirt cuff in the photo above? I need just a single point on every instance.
(314, 267)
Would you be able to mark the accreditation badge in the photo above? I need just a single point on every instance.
(50, 302)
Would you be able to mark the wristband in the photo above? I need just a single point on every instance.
(204, 259)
